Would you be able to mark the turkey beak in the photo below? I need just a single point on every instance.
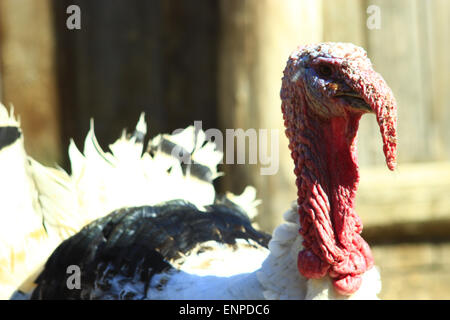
(354, 100)
(373, 89)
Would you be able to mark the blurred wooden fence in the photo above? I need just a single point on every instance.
(221, 62)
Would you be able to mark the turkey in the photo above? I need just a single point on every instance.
(152, 227)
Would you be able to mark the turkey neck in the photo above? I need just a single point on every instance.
(341, 174)
(325, 158)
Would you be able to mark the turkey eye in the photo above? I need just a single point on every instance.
(325, 70)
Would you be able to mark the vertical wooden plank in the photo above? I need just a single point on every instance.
(28, 74)
(110, 69)
(434, 48)
(133, 56)
(344, 21)
(237, 44)
(257, 38)
(395, 52)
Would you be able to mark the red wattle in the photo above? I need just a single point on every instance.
(348, 284)
(310, 265)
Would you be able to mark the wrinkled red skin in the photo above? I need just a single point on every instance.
(324, 153)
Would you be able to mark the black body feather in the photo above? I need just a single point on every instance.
(138, 243)
(8, 135)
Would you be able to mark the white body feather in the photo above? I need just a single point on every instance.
(34, 196)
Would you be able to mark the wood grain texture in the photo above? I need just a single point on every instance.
(133, 56)
(414, 194)
(28, 75)
(435, 44)
(414, 270)
(345, 21)
(400, 64)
